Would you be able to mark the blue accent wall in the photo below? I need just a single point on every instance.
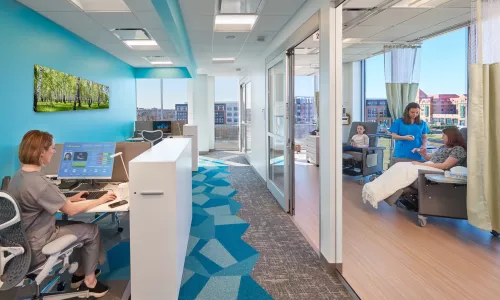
(28, 39)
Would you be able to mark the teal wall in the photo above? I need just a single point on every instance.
(28, 39)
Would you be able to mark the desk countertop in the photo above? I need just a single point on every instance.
(168, 150)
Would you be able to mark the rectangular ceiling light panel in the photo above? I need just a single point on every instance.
(235, 22)
(101, 5)
(158, 60)
(223, 60)
(131, 34)
(419, 3)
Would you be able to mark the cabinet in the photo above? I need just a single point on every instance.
(311, 146)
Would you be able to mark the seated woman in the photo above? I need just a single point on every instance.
(403, 174)
(358, 141)
(40, 200)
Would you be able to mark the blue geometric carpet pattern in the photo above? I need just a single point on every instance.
(218, 262)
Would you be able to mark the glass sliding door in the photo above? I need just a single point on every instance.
(245, 118)
(277, 131)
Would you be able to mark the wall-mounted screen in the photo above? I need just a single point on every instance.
(57, 91)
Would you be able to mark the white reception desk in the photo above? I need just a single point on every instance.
(160, 218)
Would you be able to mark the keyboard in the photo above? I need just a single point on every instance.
(90, 196)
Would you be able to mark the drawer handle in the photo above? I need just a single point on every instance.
(151, 193)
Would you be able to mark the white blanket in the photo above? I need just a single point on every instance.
(396, 177)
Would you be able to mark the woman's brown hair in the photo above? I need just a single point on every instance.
(406, 113)
(455, 137)
(32, 146)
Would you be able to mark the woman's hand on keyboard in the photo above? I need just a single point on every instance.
(108, 197)
(78, 197)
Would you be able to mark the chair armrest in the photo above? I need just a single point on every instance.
(373, 148)
(59, 244)
(425, 172)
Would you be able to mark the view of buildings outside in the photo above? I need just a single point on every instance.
(227, 113)
(443, 87)
(305, 117)
(150, 100)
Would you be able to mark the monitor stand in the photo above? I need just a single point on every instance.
(92, 185)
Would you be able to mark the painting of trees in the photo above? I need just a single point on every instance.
(57, 91)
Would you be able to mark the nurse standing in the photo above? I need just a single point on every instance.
(409, 132)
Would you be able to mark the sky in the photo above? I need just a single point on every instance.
(443, 67)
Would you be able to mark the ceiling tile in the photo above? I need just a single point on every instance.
(353, 50)
(200, 8)
(270, 23)
(50, 5)
(438, 27)
(112, 20)
(277, 7)
(200, 37)
(158, 34)
(436, 16)
(458, 4)
(98, 36)
(220, 37)
(229, 47)
(72, 20)
(140, 5)
(362, 3)
(363, 31)
(199, 23)
(393, 16)
(394, 33)
(149, 19)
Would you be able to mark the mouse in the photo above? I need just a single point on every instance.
(85, 195)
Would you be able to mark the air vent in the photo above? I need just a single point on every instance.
(127, 34)
(261, 38)
(238, 69)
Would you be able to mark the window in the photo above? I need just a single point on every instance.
(227, 98)
(148, 99)
(152, 104)
(462, 111)
(229, 114)
(427, 108)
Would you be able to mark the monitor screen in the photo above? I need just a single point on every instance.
(87, 161)
(165, 126)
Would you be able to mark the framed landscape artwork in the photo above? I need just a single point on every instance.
(57, 91)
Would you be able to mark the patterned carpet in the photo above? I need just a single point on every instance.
(218, 262)
(288, 267)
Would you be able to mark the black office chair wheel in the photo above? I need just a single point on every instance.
(495, 233)
(61, 286)
(120, 229)
(96, 216)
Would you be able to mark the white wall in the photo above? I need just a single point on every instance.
(330, 87)
(351, 94)
(199, 109)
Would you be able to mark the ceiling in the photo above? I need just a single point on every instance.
(207, 44)
(368, 25)
(368, 34)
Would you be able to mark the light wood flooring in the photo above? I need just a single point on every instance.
(306, 216)
(387, 256)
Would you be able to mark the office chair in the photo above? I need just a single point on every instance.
(5, 183)
(15, 255)
(152, 136)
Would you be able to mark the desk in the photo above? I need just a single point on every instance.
(161, 200)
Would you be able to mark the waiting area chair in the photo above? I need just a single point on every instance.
(152, 136)
(370, 162)
(15, 255)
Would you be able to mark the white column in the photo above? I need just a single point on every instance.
(211, 111)
(330, 130)
(199, 111)
(351, 94)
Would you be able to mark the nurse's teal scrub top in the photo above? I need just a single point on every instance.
(403, 148)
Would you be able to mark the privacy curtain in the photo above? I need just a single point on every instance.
(483, 155)
(402, 74)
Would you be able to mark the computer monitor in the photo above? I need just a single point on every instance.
(165, 126)
(87, 161)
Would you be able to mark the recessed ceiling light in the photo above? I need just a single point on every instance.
(223, 60)
(141, 42)
(101, 6)
(420, 3)
(235, 22)
(125, 34)
(160, 62)
(230, 37)
(352, 40)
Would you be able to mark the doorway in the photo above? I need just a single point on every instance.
(293, 140)
(246, 119)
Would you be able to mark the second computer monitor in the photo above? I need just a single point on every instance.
(165, 126)
(87, 161)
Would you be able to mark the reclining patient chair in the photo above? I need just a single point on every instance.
(448, 200)
(370, 162)
(15, 255)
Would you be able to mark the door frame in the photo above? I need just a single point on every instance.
(282, 196)
(243, 83)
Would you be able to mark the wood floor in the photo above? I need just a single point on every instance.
(306, 216)
(387, 256)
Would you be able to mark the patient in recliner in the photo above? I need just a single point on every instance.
(400, 175)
